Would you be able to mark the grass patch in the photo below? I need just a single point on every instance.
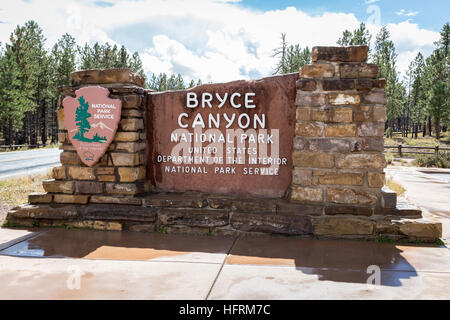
(15, 191)
(426, 141)
(161, 229)
(385, 239)
(394, 186)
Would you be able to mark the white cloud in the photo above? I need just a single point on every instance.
(211, 40)
(370, 1)
(403, 12)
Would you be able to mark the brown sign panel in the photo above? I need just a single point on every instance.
(91, 120)
(231, 138)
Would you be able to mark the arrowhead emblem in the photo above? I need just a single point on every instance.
(91, 120)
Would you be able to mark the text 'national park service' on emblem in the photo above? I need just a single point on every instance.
(91, 119)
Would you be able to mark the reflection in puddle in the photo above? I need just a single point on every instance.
(23, 249)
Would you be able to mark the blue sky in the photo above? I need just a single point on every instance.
(224, 40)
(432, 14)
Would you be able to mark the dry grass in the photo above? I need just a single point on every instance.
(15, 191)
(394, 186)
(420, 141)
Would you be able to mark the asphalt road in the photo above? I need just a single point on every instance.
(22, 163)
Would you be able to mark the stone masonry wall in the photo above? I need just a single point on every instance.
(338, 146)
(120, 173)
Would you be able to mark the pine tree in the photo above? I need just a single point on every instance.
(385, 57)
(81, 120)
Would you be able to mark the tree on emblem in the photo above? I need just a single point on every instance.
(81, 120)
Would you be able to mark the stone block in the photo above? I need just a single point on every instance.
(104, 170)
(340, 115)
(60, 116)
(306, 99)
(272, 223)
(134, 113)
(421, 228)
(364, 84)
(338, 85)
(106, 178)
(358, 70)
(40, 197)
(350, 210)
(344, 98)
(193, 217)
(70, 198)
(312, 159)
(362, 113)
(88, 187)
(126, 136)
(115, 200)
(131, 101)
(81, 173)
(302, 177)
(131, 124)
(340, 54)
(303, 114)
(63, 137)
(119, 212)
(306, 84)
(317, 71)
(342, 226)
(306, 194)
(125, 159)
(341, 130)
(70, 158)
(375, 179)
(371, 129)
(131, 174)
(59, 173)
(328, 145)
(106, 76)
(372, 144)
(43, 211)
(58, 186)
(379, 114)
(361, 161)
(122, 188)
(309, 129)
(130, 147)
(351, 196)
(354, 179)
(319, 115)
(376, 96)
(388, 198)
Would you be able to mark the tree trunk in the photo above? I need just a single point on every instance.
(438, 128)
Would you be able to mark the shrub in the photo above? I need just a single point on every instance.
(441, 160)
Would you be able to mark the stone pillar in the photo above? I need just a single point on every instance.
(120, 174)
(338, 146)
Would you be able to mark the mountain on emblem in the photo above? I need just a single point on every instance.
(101, 125)
(91, 120)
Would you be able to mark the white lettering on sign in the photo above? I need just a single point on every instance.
(249, 144)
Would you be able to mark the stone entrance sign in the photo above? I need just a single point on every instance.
(231, 138)
(91, 120)
(297, 154)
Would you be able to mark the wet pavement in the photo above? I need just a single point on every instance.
(85, 264)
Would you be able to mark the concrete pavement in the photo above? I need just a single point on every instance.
(82, 264)
(18, 163)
